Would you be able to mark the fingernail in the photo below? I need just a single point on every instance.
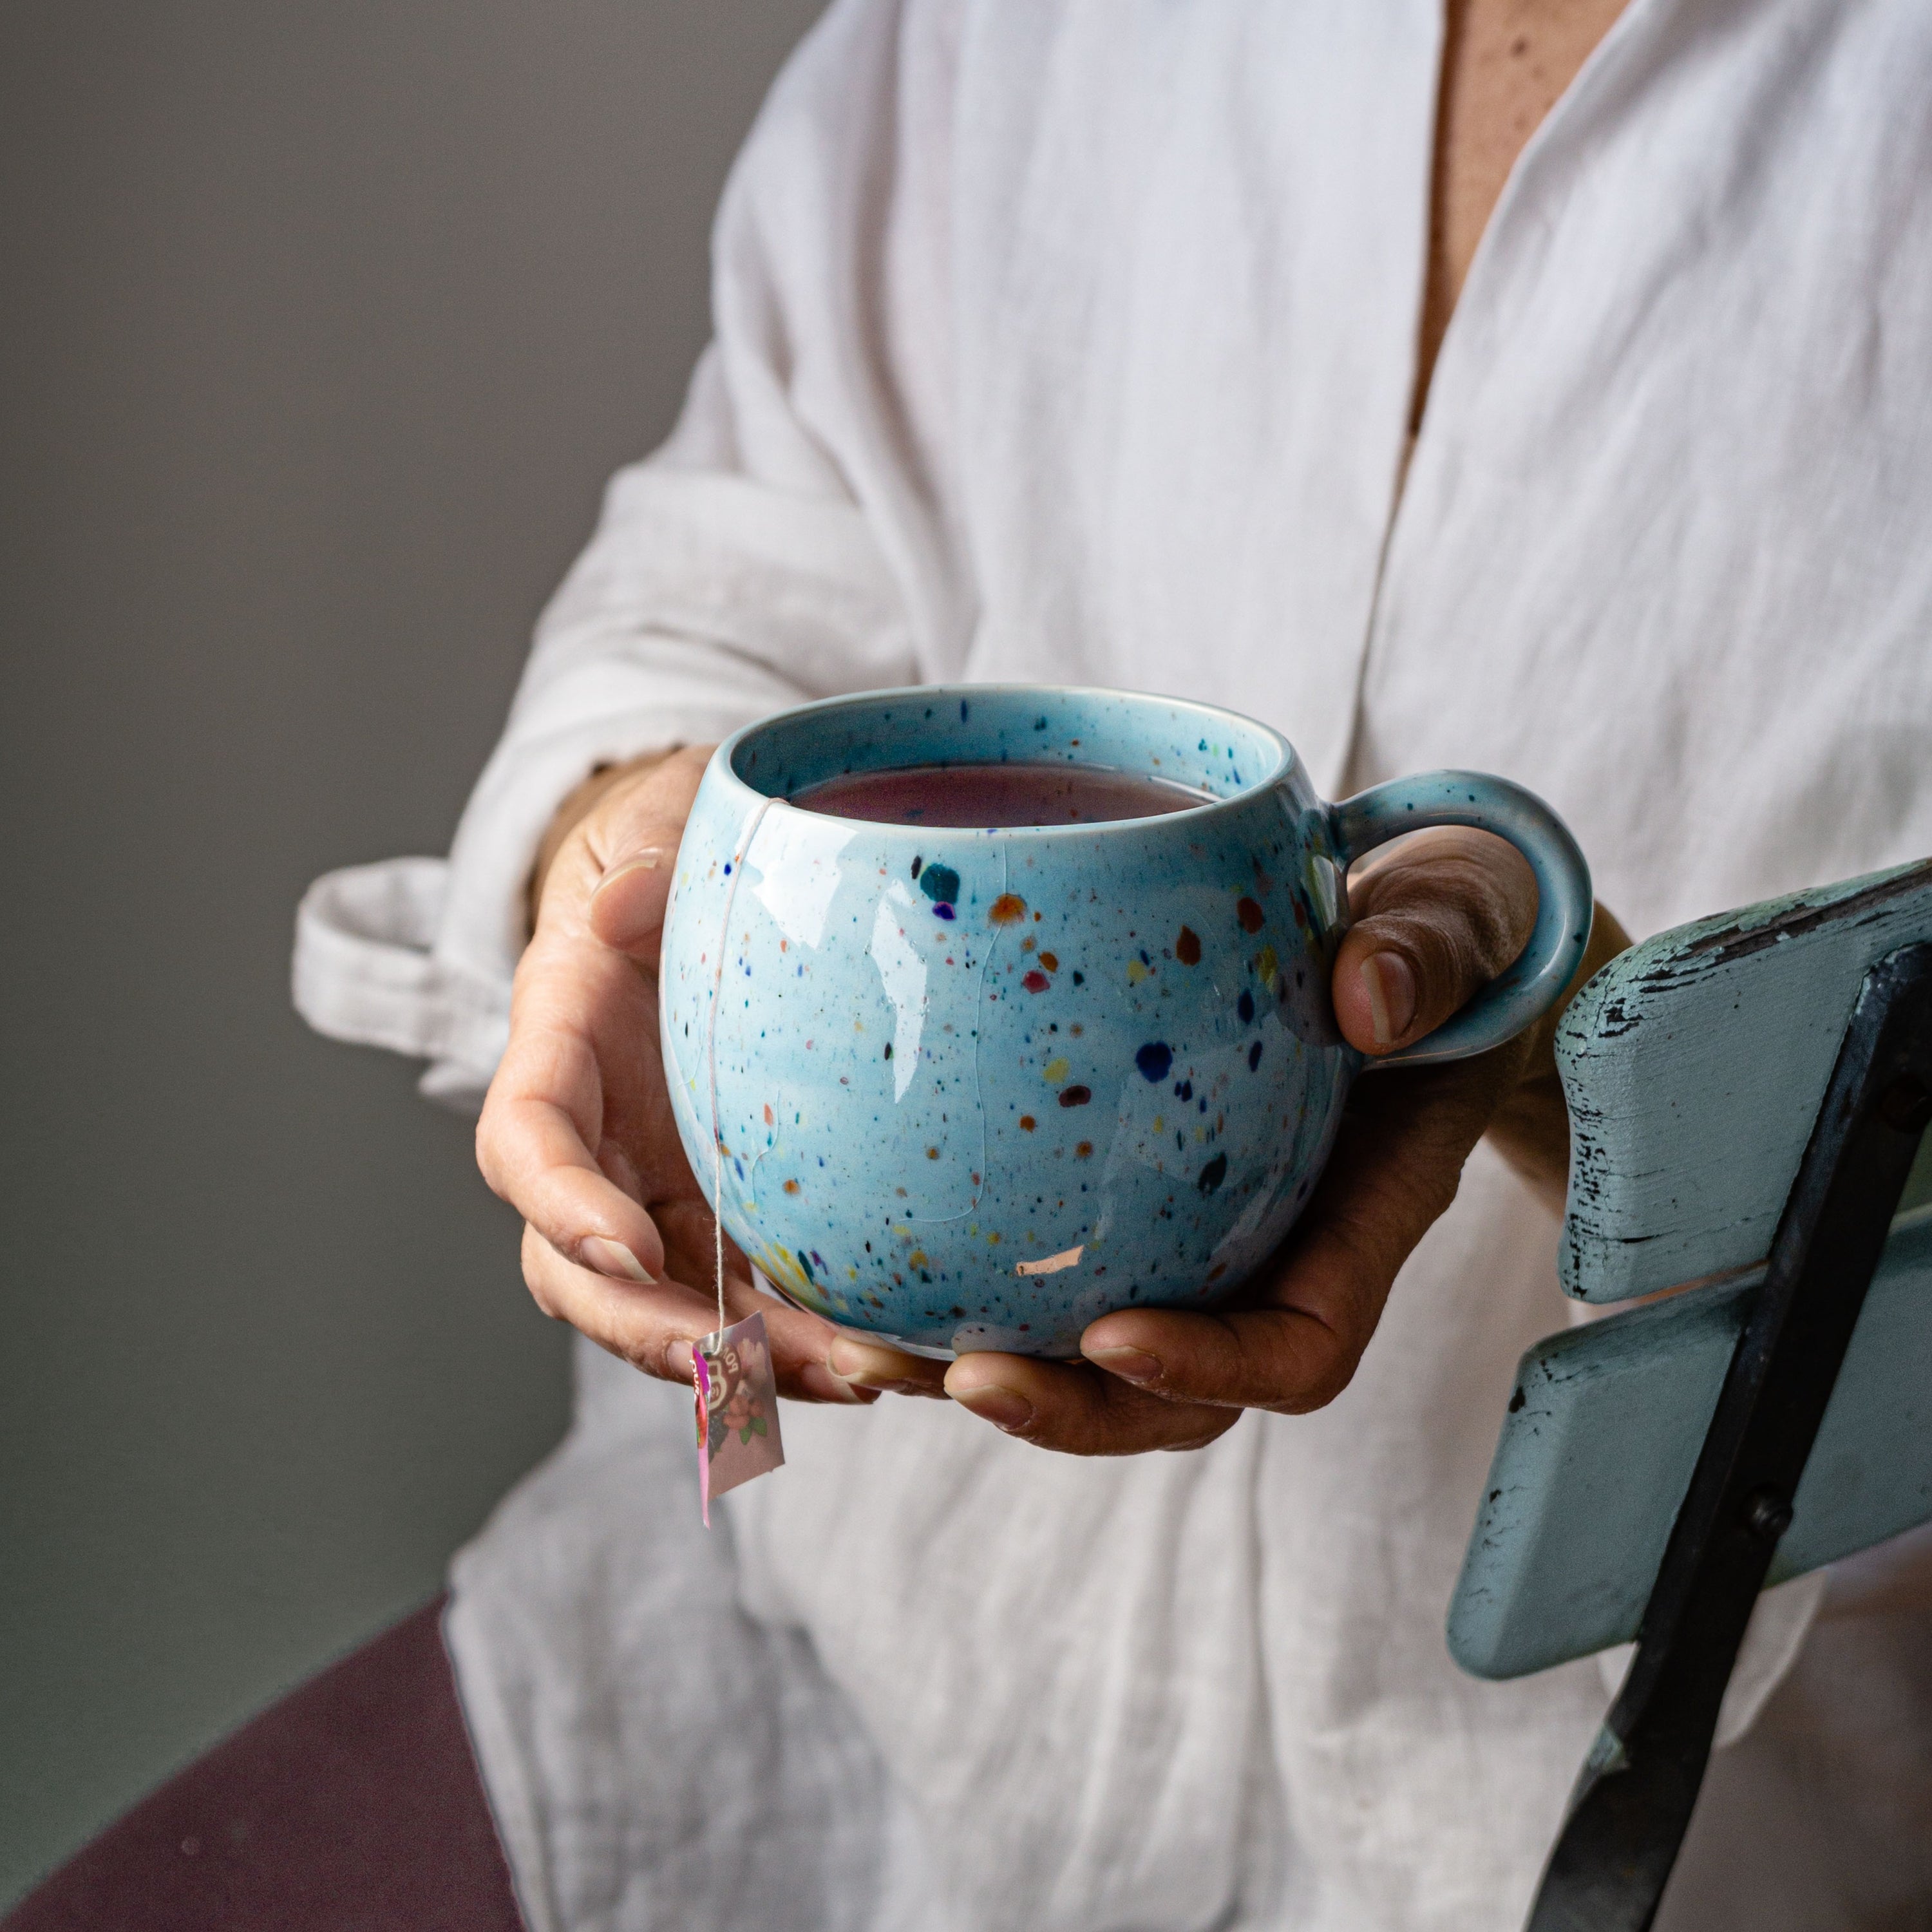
(1001, 1407)
(815, 1378)
(638, 862)
(612, 1257)
(1391, 990)
(677, 1361)
(870, 1367)
(1133, 1365)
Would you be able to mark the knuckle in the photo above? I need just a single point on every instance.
(1313, 1361)
(640, 1353)
(1319, 1385)
(1210, 1430)
(1333, 1371)
(646, 1346)
(1459, 914)
(535, 1252)
(539, 1288)
(490, 1155)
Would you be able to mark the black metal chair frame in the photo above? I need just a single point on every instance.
(1634, 1797)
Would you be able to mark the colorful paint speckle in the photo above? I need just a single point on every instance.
(1154, 1059)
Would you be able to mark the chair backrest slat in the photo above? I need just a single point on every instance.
(1603, 1430)
(1694, 1066)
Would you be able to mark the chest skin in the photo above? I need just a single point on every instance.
(1505, 63)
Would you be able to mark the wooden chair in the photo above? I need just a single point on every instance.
(1747, 1098)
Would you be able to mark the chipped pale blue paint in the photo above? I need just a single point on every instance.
(1593, 1465)
(1694, 1066)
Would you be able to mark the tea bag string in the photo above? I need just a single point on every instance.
(737, 870)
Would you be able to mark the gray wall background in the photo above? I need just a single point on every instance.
(320, 327)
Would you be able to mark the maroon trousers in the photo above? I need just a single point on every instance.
(352, 1803)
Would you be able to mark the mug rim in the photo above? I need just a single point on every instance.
(1286, 758)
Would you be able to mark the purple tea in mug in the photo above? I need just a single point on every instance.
(984, 796)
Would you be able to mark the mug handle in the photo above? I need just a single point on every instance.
(1564, 904)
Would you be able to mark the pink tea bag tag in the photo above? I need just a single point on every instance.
(737, 1408)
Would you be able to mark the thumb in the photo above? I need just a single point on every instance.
(1434, 923)
(630, 838)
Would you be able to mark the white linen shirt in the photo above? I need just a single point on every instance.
(1076, 340)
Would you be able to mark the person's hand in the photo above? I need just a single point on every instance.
(1438, 918)
(577, 1132)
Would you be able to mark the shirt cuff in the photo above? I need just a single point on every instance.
(417, 955)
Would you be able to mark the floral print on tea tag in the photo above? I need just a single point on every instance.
(737, 1408)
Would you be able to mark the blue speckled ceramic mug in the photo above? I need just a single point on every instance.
(973, 1089)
